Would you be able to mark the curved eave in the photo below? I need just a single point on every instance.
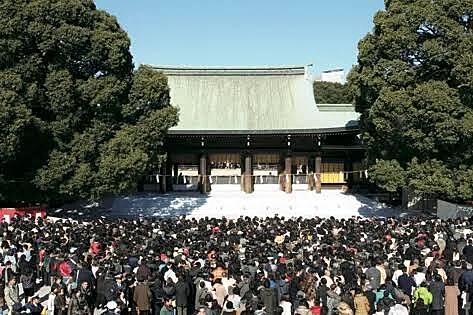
(235, 71)
(325, 131)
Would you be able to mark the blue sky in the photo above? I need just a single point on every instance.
(245, 32)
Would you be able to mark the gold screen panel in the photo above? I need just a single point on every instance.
(332, 173)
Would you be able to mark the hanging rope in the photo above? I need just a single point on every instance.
(360, 172)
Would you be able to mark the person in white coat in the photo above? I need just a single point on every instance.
(286, 305)
(398, 309)
(50, 303)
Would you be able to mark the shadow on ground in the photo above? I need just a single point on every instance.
(373, 209)
(136, 206)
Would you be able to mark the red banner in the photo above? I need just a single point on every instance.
(6, 214)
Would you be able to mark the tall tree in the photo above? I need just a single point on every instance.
(413, 86)
(331, 93)
(70, 99)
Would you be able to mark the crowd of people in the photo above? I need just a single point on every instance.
(246, 266)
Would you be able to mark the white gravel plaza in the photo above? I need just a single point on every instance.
(228, 201)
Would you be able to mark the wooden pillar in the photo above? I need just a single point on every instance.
(288, 174)
(281, 174)
(176, 173)
(162, 179)
(248, 185)
(242, 172)
(318, 174)
(349, 169)
(310, 173)
(168, 178)
(204, 170)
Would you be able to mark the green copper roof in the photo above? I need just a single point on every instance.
(250, 99)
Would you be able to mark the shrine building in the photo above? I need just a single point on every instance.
(256, 126)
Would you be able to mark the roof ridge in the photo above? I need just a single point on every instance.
(203, 68)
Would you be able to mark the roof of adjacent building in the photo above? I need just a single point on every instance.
(251, 99)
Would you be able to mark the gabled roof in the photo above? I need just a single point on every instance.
(250, 99)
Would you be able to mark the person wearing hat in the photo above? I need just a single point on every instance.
(112, 308)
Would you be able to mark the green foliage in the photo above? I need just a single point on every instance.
(149, 92)
(331, 93)
(71, 106)
(389, 175)
(413, 86)
(464, 176)
(133, 153)
(431, 176)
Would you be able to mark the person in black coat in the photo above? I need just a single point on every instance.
(158, 294)
(437, 288)
(100, 290)
(294, 287)
(34, 307)
(182, 296)
(322, 294)
(348, 271)
(406, 282)
(371, 296)
(468, 251)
